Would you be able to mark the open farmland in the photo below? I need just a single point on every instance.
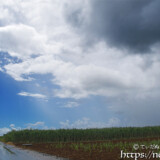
(87, 144)
(77, 135)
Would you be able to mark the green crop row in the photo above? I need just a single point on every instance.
(76, 135)
(107, 146)
(1, 138)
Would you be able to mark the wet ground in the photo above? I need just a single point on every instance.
(8, 152)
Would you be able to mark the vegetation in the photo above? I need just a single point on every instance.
(78, 135)
(1, 138)
(88, 144)
(106, 146)
(98, 150)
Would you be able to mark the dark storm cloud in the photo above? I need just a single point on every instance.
(133, 24)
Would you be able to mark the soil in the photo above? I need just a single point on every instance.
(73, 154)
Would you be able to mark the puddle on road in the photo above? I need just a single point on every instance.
(8, 152)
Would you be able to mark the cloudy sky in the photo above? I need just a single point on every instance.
(79, 64)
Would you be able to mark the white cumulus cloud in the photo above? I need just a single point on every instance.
(34, 95)
(87, 123)
(71, 105)
(36, 125)
(4, 131)
(40, 34)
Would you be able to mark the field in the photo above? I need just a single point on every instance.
(95, 150)
(88, 144)
(1, 138)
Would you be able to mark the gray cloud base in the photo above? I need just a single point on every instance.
(131, 24)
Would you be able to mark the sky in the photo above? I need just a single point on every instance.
(79, 64)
